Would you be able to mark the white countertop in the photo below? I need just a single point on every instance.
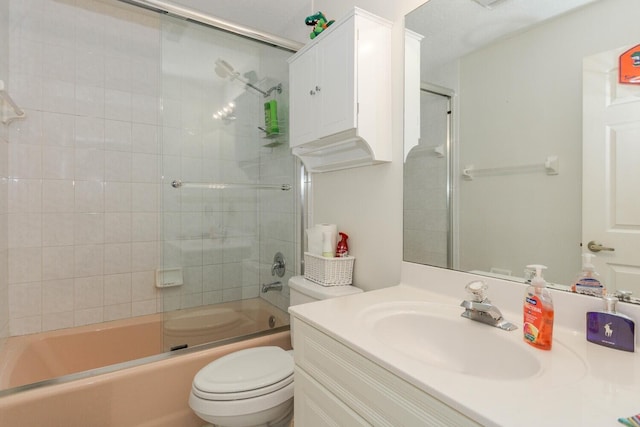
(580, 383)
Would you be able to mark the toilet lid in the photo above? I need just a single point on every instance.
(246, 370)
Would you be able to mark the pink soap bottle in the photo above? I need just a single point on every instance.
(342, 249)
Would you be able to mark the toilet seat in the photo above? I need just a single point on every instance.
(244, 374)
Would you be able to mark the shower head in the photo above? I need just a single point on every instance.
(224, 69)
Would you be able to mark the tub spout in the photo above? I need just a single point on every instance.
(273, 286)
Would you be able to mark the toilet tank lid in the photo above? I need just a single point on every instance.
(313, 290)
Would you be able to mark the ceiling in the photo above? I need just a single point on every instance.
(476, 25)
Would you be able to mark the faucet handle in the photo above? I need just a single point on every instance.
(477, 289)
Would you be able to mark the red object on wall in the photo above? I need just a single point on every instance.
(629, 69)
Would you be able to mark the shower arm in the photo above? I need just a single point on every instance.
(277, 88)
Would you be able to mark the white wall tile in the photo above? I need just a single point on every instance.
(117, 166)
(144, 197)
(89, 196)
(89, 164)
(25, 265)
(117, 227)
(88, 316)
(117, 289)
(58, 196)
(60, 129)
(25, 325)
(89, 101)
(57, 229)
(144, 256)
(58, 162)
(117, 135)
(58, 96)
(25, 161)
(117, 258)
(25, 299)
(88, 292)
(140, 308)
(145, 168)
(57, 296)
(54, 321)
(57, 262)
(143, 286)
(144, 138)
(25, 230)
(117, 311)
(88, 260)
(117, 105)
(144, 227)
(117, 72)
(117, 197)
(89, 228)
(25, 195)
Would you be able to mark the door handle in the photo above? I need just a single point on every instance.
(597, 247)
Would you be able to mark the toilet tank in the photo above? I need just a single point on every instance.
(302, 291)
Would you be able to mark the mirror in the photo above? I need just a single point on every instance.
(493, 173)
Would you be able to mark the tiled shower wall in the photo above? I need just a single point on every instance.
(89, 170)
(84, 165)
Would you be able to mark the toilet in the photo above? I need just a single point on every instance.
(254, 387)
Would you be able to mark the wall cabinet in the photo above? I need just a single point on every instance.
(340, 95)
(335, 385)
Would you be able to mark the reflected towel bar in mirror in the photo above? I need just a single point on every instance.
(550, 166)
(223, 186)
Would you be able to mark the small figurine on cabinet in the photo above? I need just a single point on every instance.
(319, 23)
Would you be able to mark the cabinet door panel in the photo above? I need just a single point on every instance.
(336, 74)
(303, 104)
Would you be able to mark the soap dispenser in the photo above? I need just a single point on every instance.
(588, 281)
(538, 312)
(611, 328)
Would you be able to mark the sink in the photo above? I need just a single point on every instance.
(435, 334)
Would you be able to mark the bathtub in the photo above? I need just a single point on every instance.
(32, 358)
(75, 388)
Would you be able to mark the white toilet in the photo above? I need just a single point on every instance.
(254, 387)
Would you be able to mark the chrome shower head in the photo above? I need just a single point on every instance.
(224, 69)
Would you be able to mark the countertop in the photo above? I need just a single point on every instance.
(580, 383)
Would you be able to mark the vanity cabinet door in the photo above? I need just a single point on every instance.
(315, 406)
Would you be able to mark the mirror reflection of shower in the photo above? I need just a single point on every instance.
(225, 70)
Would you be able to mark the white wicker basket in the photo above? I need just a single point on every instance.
(328, 271)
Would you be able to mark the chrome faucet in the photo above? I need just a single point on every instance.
(480, 309)
(275, 286)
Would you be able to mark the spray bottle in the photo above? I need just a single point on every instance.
(342, 250)
(538, 312)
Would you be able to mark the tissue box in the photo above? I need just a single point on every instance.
(328, 271)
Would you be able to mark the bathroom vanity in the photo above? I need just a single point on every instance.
(404, 356)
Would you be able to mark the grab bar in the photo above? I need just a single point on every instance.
(17, 111)
(222, 186)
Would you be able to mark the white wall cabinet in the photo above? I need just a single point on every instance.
(340, 95)
(334, 385)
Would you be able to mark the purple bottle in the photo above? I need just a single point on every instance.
(610, 328)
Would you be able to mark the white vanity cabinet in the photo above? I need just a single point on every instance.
(335, 385)
(340, 95)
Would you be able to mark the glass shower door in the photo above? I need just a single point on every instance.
(228, 192)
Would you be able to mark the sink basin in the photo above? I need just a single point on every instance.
(435, 334)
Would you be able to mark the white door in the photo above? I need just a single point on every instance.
(611, 172)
